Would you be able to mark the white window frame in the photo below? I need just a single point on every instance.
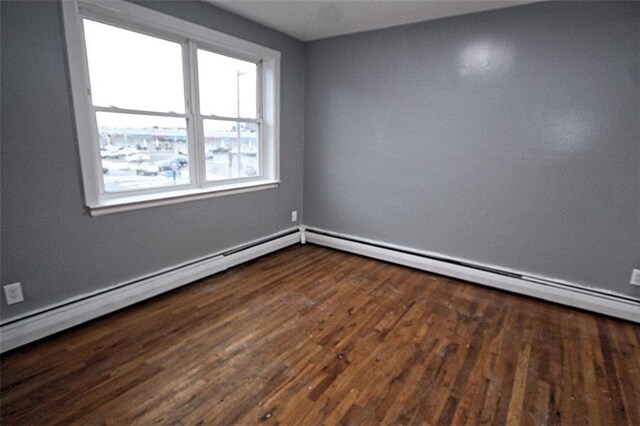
(192, 37)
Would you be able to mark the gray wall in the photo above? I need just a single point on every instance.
(508, 138)
(49, 243)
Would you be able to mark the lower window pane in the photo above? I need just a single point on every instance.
(141, 152)
(231, 149)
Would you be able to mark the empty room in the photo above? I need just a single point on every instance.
(327, 212)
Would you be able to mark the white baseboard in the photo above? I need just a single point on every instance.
(573, 296)
(71, 313)
(57, 318)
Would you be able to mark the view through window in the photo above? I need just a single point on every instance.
(231, 130)
(143, 116)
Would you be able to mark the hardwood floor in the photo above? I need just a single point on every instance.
(311, 336)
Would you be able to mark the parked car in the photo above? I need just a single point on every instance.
(138, 158)
(128, 150)
(111, 154)
(147, 169)
(178, 161)
(250, 170)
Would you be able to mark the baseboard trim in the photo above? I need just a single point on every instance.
(574, 296)
(71, 313)
(38, 325)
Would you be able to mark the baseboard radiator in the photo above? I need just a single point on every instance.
(568, 294)
(28, 328)
(36, 325)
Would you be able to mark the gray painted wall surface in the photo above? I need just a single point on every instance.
(508, 138)
(49, 243)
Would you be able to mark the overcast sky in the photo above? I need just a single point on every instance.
(136, 71)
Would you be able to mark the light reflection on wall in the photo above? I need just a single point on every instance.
(485, 58)
(570, 132)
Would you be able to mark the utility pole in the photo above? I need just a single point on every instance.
(238, 74)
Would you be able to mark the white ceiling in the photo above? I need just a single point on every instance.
(314, 19)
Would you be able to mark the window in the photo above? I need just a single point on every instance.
(166, 110)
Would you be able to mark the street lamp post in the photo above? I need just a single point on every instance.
(239, 162)
(238, 74)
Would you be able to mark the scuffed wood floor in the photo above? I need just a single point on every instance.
(312, 336)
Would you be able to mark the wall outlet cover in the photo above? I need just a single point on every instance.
(13, 293)
(294, 216)
(635, 277)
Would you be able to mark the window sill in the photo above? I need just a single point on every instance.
(129, 203)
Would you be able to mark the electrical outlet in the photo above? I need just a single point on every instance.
(635, 277)
(294, 216)
(13, 293)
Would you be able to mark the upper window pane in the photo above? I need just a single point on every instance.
(133, 71)
(227, 85)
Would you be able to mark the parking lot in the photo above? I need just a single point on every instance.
(154, 170)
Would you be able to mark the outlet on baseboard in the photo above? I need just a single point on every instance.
(635, 277)
(13, 293)
(294, 216)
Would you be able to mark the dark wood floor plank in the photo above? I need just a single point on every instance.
(308, 335)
